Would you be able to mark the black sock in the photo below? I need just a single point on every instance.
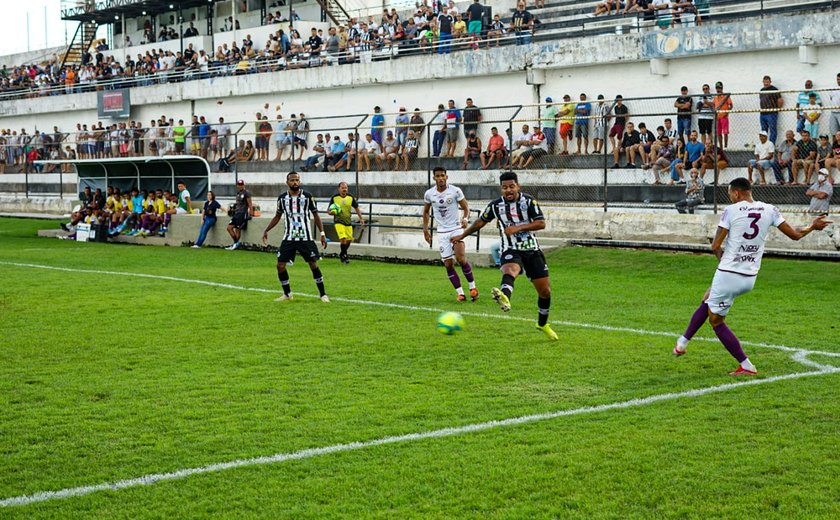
(284, 281)
(543, 304)
(507, 284)
(344, 248)
(319, 280)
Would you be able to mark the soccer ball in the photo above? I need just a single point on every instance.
(449, 323)
(334, 209)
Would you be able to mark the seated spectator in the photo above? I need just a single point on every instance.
(646, 141)
(496, 31)
(319, 151)
(820, 193)
(495, 150)
(369, 151)
(390, 150)
(834, 161)
(804, 157)
(409, 149)
(764, 153)
(539, 148)
(472, 150)
(629, 145)
(335, 153)
(606, 7)
(665, 156)
(713, 155)
(824, 153)
(521, 144)
(784, 158)
(694, 151)
(694, 195)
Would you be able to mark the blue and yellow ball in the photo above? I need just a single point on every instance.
(449, 323)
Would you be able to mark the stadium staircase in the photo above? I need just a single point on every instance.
(335, 11)
(81, 42)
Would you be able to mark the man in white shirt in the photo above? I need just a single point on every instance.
(764, 152)
(448, 202)
(522, 144)
(743, 227)
(834, 102)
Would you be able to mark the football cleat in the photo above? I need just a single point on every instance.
(546, 329)
(284, 298)
(501, 299)
(473, 294)
(325, 299)
(741, 371)
(461, 298)
(678, 351)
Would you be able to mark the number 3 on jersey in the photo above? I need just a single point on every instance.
(753, 225)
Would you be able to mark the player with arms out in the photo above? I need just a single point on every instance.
(297, 207)
(743, 229)
(446, 200)
(340, 207)
(518, 216)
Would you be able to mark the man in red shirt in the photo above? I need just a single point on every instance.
(495, 150)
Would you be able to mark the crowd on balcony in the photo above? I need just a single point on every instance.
(666, 13)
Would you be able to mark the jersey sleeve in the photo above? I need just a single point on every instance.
(313, 206)
(426, 198)
(354, 202)
(279, 206)
(459, 194)
(488, 214)
(778, 219)
(534, 210)
(724, 219)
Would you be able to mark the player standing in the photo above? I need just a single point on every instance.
(446, 200)
(518, 216)
(298, 207)
(342, 218)
(743, 226)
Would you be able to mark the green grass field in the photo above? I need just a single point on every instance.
(106, 377)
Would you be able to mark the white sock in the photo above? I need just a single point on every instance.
(682, 342)
(460, 291)
(472, 285)
(747, 365)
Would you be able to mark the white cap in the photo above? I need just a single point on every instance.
(823, 171)
(763, 132)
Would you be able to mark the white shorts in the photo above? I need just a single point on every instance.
(725, 287)
(447, 248)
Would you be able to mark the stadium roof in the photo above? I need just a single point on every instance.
(108, 11)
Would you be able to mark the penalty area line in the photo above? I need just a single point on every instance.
(595, 326)
(155, 478)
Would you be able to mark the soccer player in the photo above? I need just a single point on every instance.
(297, 207)
(342, 218)
(743, 228)
(447, 200)
(242, 210)
(518, 216)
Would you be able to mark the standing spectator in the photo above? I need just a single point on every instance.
(475, 14)
(820, 193)
(444, 23)
(302, 134)
(265, 130)
(804, 155)
(723, 104)
(764, 152)
(522, 24)
(599, 132)
(812, 112)
(208, 217)
(438, 124)
(179, 133)
(784, 158)
(471, 116)
(223, 130)
(629, 144)
(242, 211)
(453, 120)
(705, 114)
(203, 136)
(548, 120)
(834, 102)
(684, 105)
(802, 100)
(417, 125)
(694, 195)
(377, 126)
(567, 122)
(770, 101)
(621, 115)
(402, 126)
(582, 112)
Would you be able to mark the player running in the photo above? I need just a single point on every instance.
(447, 199)
(744, 226)
(342, 218)
(297, 206)
(518, 216)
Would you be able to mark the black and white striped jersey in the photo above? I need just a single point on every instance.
(522, 211)
(297, 211)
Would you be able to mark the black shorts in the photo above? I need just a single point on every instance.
(179, 147)
(705, 126)
(532, 262)
(239, 221)
(306, 248)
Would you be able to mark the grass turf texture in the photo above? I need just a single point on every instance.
(184, 375)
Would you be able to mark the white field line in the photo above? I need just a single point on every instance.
(154, 478)
(594, 326)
